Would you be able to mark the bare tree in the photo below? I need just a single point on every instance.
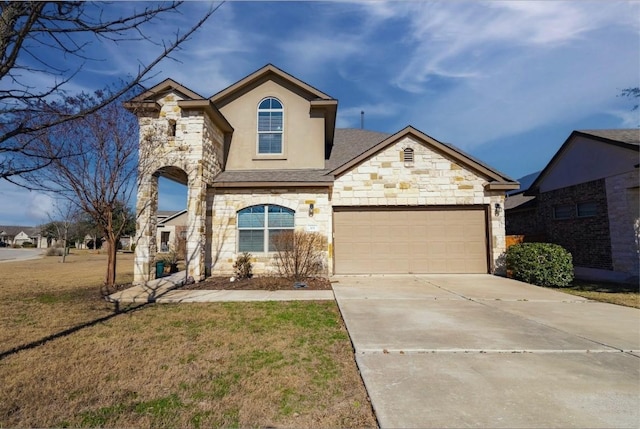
(299, 254)
(38, 41)
(63, 216)
(95, 166)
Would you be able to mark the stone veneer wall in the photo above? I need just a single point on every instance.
(196, 149)
(225, 204)
(624, 221)
(431, 180)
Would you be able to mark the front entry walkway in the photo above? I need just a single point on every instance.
(484, 351)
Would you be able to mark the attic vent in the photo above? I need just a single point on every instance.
(407, 156)
(171, 130)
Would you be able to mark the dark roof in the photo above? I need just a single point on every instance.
(351, 142)
(628, 135)
(14, 230)
(519, 201)
(272, 176)
(628, 138)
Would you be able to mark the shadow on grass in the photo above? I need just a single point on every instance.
(72, 330)
(604, 287)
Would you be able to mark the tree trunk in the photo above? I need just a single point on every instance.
(110, 278)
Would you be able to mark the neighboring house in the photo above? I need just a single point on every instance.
(264, 155)
(586, 200)
(170, 228)
(18, 235)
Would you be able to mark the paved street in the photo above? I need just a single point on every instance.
(8, 254)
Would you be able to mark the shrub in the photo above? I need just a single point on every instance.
(299, 254)
(243, 267)
(55, 251)
(542, 264)
(28, 244)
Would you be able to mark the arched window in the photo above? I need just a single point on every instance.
(270, 126)
(257, 225)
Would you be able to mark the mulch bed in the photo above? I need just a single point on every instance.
(258, 283)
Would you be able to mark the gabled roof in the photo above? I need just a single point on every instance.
(148, 100)
(164, 87)
(318, 99)
(498, 181)
(173, 215)
(13, 230)
(265, 73)
(621, 138)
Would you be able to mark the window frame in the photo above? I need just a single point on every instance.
(569, 209)
(279, 132)
(265, 228)
(592, 213)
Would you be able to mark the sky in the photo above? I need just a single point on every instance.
(506, 81)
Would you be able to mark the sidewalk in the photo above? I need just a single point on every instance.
(164, 291)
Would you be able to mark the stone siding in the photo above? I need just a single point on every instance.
(226, 203)
(624, 222)
(431, 179)
(196, 149)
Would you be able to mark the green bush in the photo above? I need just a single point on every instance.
(542, 264)
(28, 244)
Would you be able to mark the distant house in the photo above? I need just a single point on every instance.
(18, 235)
(171, 227)
(586, 200)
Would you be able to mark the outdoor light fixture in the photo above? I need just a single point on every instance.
(498, 209)
(311, 210)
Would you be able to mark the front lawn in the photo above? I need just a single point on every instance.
(67, 360)
(613, 293)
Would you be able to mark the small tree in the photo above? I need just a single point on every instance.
(299, 254)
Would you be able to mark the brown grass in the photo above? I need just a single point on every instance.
(613, 293)
(187, 365)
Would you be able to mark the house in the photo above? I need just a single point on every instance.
(171, 228)
(264, 155)
(586, 200)
(19, 235)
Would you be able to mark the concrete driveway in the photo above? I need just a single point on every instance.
(484, 351)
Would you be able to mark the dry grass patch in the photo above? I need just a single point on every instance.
(187, 365)
(613, 293)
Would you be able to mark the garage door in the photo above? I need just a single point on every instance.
(391, 241)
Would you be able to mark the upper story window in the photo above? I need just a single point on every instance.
(259, 225)
(270, 126)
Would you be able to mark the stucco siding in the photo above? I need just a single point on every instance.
(303, 134)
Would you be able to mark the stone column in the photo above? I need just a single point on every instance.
(196, 216)
(146, 210)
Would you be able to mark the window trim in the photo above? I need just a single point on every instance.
(280, 132)
(570, 210)
(583, 203)
(265, 228)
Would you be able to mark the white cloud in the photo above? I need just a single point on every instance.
(19, 206)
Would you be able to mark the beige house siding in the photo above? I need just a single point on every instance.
(431, 180)
(624, 221)
(303, 138)
(226, 203)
